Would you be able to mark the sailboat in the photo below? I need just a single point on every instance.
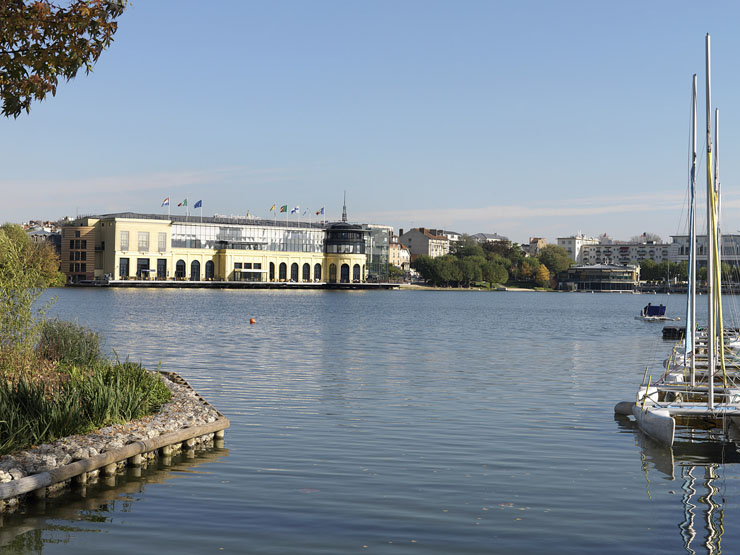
(700, 388)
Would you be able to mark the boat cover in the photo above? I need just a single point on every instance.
(655, 310)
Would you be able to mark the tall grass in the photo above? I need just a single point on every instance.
(81, 392)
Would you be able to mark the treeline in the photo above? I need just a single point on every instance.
(671, 271)
(501, 262)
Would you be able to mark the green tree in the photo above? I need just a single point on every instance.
(495, 272)
(470, 270)
(424, 265)
(555, 258)
(394, 272)
(26, 269)
(648, 270)
(41, 42)
(467, 246)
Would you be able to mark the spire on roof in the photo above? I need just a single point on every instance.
(344, 208)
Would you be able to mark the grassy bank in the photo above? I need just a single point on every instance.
(66, 386)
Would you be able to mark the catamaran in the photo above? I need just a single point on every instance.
(699, 387)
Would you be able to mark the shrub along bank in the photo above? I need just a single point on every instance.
(68, 387)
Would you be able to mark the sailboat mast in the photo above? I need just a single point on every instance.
(710, 239)
(691, 320)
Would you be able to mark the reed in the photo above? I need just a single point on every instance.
(73, 389)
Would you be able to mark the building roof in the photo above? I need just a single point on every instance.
(227, 220)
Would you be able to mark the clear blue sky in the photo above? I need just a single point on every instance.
(521, 118)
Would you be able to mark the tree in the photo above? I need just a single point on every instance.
(646, 237)
(470, 270)
(26, 269)
(424, 265)
(394, 272)
(495, 272)
(555, 258)
(467, 246)
(40, 42)
(542, 277)
(648, 270)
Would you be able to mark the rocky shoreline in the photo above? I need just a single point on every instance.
(186, 409)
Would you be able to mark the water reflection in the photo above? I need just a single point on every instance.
(35, 526)
(699, 463)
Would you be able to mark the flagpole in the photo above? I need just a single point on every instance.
(168, 207)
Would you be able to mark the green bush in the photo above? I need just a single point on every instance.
(69, 343)
(109, 393)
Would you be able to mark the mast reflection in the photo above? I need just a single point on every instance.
(698, 460)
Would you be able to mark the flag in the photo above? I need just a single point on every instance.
(273, 208)
(183, 203)
(305, 211)
(283, 208)
(318, 212)
(166, 202)
(198, 204)
(295, 210)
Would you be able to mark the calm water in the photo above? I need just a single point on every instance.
(397, 422)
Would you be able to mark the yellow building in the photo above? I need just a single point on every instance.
(129, 246)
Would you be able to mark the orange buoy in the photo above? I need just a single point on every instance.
(252, 321)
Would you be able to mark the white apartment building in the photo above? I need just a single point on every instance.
(573, 245)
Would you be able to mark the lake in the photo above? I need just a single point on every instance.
(397, 422)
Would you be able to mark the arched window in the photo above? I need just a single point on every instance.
(306, 272)
(317, 272)
(283, 274)
(356, 273)
(209, 269)
(180, 269)
(272, 271)
(195, 271)
(345, 273)
(294, 272)
(332, 273)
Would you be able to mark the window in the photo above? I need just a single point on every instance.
(83, 255)
(124, 241)
(71, 268)
(123, 266)
(84, 244)
(77, 233)
(143, 241)
(71, 255)
(71, 243)
(83, 267)
(162, 241)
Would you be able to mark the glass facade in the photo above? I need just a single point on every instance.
(243, 237)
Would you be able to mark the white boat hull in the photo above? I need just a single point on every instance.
(655, 422)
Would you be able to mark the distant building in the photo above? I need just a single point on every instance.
(399, 254)
(599, 277)
(421, 241)
(489, 238)
(573, 245)
(535, 245)
(451, 235)
(729, 251)
(377, 243)
(152, 246)
(618, 252)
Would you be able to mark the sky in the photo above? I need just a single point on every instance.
(526, 119)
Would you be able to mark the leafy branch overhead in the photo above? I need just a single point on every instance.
(41, 42)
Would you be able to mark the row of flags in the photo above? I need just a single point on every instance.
(199, 204)
(295, 210)
(283, 208)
